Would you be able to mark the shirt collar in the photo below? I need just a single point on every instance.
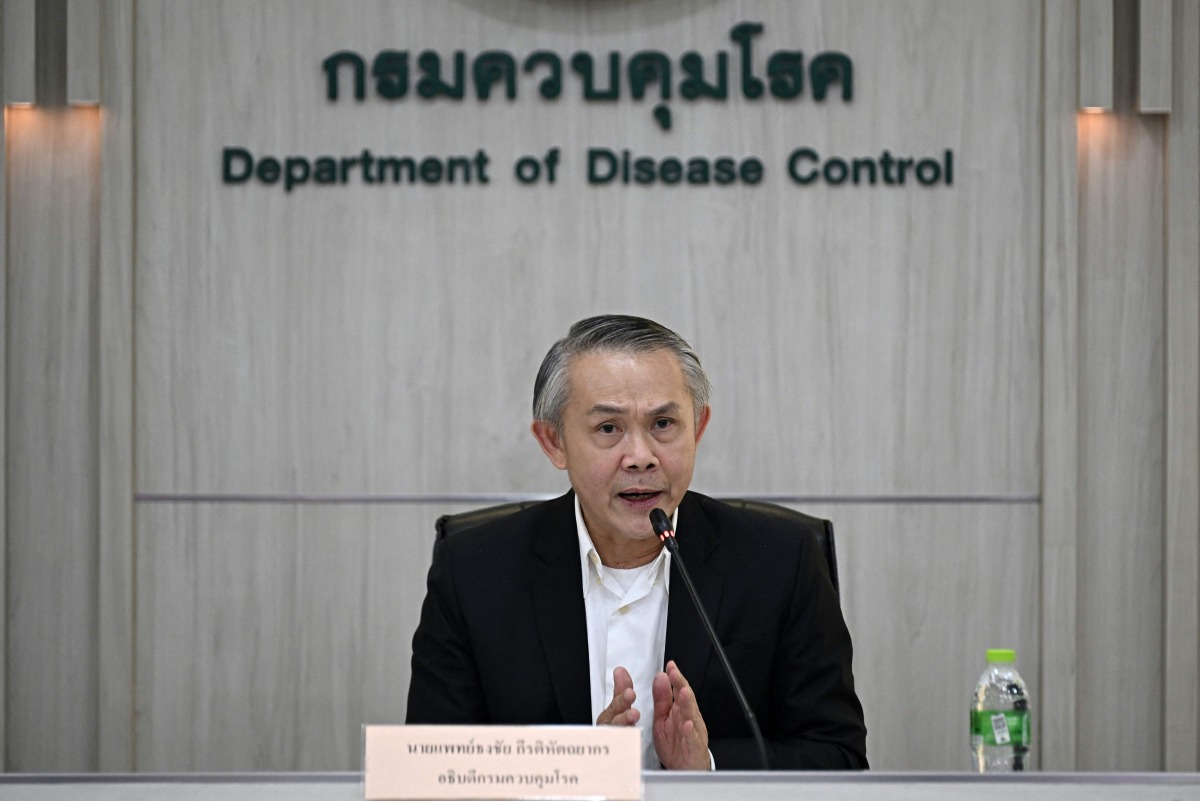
(589, 559)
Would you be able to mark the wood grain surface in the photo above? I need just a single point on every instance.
(1016, 350)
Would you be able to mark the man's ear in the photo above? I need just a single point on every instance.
(551, 441)
(702, 423)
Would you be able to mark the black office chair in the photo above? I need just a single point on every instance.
(449, 525)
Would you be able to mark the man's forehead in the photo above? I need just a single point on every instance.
(597, 369)
(622, 383)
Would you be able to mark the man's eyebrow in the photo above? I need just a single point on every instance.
(670, 407)
(605, 408)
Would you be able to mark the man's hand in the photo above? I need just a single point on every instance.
(680, 736)
(620, 711)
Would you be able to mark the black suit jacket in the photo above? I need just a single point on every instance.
(503, 633)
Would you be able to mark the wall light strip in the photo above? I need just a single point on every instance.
(18, 49)
(1154, 57)
(1096, 55)
(83, 52)
(51, 52)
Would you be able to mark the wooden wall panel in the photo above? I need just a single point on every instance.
(1121, 515)
(1002, 337)
(51, 563)
(867, 340)
(115, 417)
(1059, 521)
(926, 591)
(268, 634)
(1182, 543)
(336, 339)
(3, 412)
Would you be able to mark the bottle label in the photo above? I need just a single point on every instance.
(994, 727)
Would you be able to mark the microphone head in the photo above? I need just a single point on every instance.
(661, 523)
(662, 527)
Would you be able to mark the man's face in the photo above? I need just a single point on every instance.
(628, 441)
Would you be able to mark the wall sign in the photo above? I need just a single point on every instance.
(783, 77)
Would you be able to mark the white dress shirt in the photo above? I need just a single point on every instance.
(627, 626)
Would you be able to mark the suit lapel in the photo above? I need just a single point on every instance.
(561, 618)
(687, 642)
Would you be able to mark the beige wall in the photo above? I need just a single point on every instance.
(233, 412)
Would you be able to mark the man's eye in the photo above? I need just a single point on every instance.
(608, 428)
(663, 423)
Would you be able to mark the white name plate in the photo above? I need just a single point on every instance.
(414, 763)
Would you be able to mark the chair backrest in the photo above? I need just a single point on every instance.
(449, 525)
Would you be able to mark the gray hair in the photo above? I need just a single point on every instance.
(612, 333)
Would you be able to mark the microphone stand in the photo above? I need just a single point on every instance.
(662, 527)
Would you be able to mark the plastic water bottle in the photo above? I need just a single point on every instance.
(1000, 717)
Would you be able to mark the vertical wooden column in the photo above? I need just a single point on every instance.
(1060, 403)
(51, 468)
(3, 385)
(1122, 380)
(1181, 568)
(115, 313)
(50, 435)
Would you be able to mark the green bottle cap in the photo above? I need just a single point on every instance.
(1002, 655)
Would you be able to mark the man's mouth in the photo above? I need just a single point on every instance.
(638, 496)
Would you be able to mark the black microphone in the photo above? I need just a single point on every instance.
(662, 527)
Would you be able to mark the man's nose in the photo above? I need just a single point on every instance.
(639, 454)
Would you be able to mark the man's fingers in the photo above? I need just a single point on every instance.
(629, 717)
(661, 691)
(681, 691)
(678, 682)
(620, 711)
(621, 681)
(685, 702)
(680, 736)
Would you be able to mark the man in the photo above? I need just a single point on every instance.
(572, 611)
